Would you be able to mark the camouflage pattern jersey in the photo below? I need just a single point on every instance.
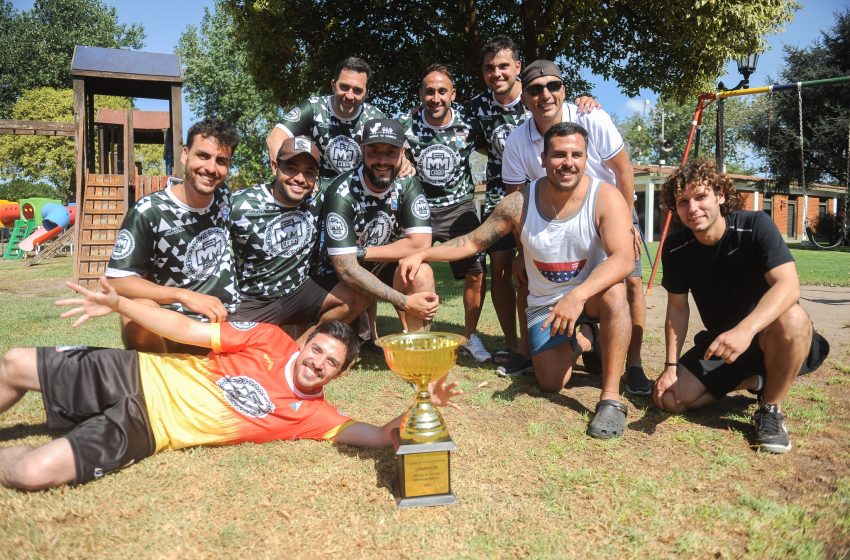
(171, 244)
(338, 139)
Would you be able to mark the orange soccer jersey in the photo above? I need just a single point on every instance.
(241, 391)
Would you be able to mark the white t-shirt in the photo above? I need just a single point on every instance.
(522, 163)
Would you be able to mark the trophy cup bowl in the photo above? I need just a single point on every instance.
(421, 358)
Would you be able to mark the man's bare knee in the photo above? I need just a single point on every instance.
(670, 404)
(791, 325)
(18, 369)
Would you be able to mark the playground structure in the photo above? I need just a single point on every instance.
(33, 222)
(107, 178)
(706, 99)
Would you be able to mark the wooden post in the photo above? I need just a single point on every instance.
(80, 169)
(175, 109)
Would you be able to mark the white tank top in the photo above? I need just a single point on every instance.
(559, 254)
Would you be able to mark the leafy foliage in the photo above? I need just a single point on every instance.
(47, 158)
(826, 113)
(644, 136)
(218, 84)
(36, 46)
(17, 189)
(293, 46)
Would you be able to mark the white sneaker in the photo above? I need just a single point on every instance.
(475, 348)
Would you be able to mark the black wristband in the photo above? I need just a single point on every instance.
(671, 364)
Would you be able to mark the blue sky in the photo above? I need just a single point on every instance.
(163, 25)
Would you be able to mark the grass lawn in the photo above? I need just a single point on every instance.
(815, 267)
(529, 482)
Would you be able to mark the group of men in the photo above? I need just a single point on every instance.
(356, 203)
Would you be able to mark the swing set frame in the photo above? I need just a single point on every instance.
(707, 99)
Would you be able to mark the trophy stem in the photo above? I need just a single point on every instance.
(423, 422)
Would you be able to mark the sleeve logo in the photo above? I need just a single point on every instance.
(124, 245)
(293, 115)
(336, 227)
(243, 325)
(420, 207)
(247, 396)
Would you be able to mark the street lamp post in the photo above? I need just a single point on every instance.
(746, 67)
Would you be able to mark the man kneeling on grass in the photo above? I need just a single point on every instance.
(256, 385)
(578, 246)
(744, 282)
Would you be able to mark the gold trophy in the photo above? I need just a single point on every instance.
(422, 446)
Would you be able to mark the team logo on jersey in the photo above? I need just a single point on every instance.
(378, 231)
(499, 136)
(288, 234)
(437, 164)
(124, 245)
(560, 272)
(243, 325)
(204, 253)
(336, 227)
(420, 207)
(343, 153)
(293, 115)
(246, 395)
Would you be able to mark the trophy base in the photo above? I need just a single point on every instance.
(423, 475)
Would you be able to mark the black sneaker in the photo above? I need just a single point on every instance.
(516, 366)
(771, 434)
(636, 381)
(503, 356)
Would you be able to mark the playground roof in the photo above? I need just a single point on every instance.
(126, 73)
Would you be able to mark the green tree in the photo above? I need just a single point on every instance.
(17, 189)
(674, 48)
(643, 136)
(46, 158)
(218, 84)
(36, 46)
(775, 128)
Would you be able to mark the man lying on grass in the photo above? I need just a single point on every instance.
(744, 282)
(121, 406)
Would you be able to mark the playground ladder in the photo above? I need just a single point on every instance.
(20, 231)
(53, 248)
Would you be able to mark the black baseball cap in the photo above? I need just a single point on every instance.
(539, 68)
(383, 131)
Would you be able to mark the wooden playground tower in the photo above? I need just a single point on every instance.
(103, 198)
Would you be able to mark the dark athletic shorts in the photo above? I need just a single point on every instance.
(298, 307)
(506, 243)
(97, 393)
(453, 221)
(720, 378)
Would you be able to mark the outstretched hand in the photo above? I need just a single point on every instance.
(92, 304)
(442, 392)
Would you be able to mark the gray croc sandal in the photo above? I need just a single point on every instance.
(609, 420)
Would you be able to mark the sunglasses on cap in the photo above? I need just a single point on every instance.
(536, 89)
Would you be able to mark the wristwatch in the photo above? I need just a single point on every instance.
(361, 253)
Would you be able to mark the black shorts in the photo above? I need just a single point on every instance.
(720, 378)
(299, 307)
(98, 393)
(506, 243)
(449, 222)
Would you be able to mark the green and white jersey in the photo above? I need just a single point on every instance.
(274, 245)
(171, 244)
(492, 123)
(441, 157)
(356, 216)
(338, 139)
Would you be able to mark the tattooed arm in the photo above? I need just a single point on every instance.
(504, 219)
(421, 304)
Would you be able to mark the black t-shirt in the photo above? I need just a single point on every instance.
(727, 278)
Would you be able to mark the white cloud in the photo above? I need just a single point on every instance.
(636, 105)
